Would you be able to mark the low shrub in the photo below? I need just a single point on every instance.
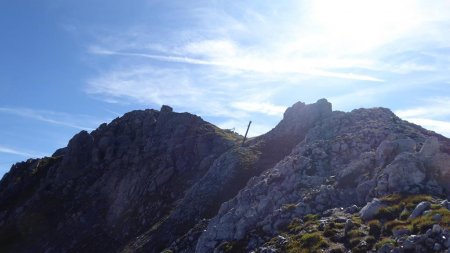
(390, 225)
(329, 232)
(370, 240)
(355, 233)
(311, 217)
(374, 228)
(354, 242)
(295, 226)
(384, 241)
(404, 214)
(416, 199)
(288, 207)
(336, 249)
(389, 212)
(306, 243)
(392, 198)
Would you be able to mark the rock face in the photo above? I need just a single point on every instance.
(153, 180)
(109, 186)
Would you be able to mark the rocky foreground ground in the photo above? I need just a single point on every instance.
(152, 181)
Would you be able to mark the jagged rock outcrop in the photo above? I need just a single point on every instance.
(152, 180)
(370, 150)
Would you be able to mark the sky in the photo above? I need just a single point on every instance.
(69, 65)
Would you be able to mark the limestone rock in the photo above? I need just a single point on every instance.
(369, 211)
(419, 209)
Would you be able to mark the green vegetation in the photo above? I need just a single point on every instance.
(389, 212)
(309, 242)
(44, 163)
(295, 226)
(311, 217)
(405, 214)
(227, 134)
(313, 232)
(374, 228)
(424, 222)
(384, 241)
(288, 207)
(336, 249)
(330, 230)
(394, 224)
(355, 233)
(356, 221)
(227, 246)
(370, 240)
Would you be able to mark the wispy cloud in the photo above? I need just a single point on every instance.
(215, 57)
(12, 151)
(240, 125)
(437, 107)
(433, 114)
(232, 60)
(439, 126)
(266, 108)
(56, 118)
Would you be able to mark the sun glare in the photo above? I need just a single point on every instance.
(363, 25)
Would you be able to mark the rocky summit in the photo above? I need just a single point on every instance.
(161, 181)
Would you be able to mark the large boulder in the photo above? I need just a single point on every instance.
(419, 209)
(371, 209)
(405, 174)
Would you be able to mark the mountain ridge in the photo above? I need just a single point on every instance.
(154, 180)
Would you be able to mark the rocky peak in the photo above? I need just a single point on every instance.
(292, 129)
(166, 109)
(300, 117)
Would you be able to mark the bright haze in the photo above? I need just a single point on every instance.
(71, 65)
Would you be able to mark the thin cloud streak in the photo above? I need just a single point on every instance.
(12, 151)
(438, 107)
(243, 63)
(265, 108)
(433, 114)
(56, 118)
(439, 126)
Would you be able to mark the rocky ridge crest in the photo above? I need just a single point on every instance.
(154, 180)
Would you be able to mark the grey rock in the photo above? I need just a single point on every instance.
(446, 241)
(396, 250)
(437, 247)
(401, 232)
(410, 242)
(445, 204)
(369, 211)
(419, 209)
(429, 242)
(387, 248)
(386, 152)
(166, 109)
(437, 229)
(437, 217)
(352, 209)
(430, 147)
(405, 172)
(348, 226)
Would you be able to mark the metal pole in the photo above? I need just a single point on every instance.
(245, 137)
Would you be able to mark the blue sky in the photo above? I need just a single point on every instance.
(71, 65)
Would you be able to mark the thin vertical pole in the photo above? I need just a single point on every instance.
(246, 132)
